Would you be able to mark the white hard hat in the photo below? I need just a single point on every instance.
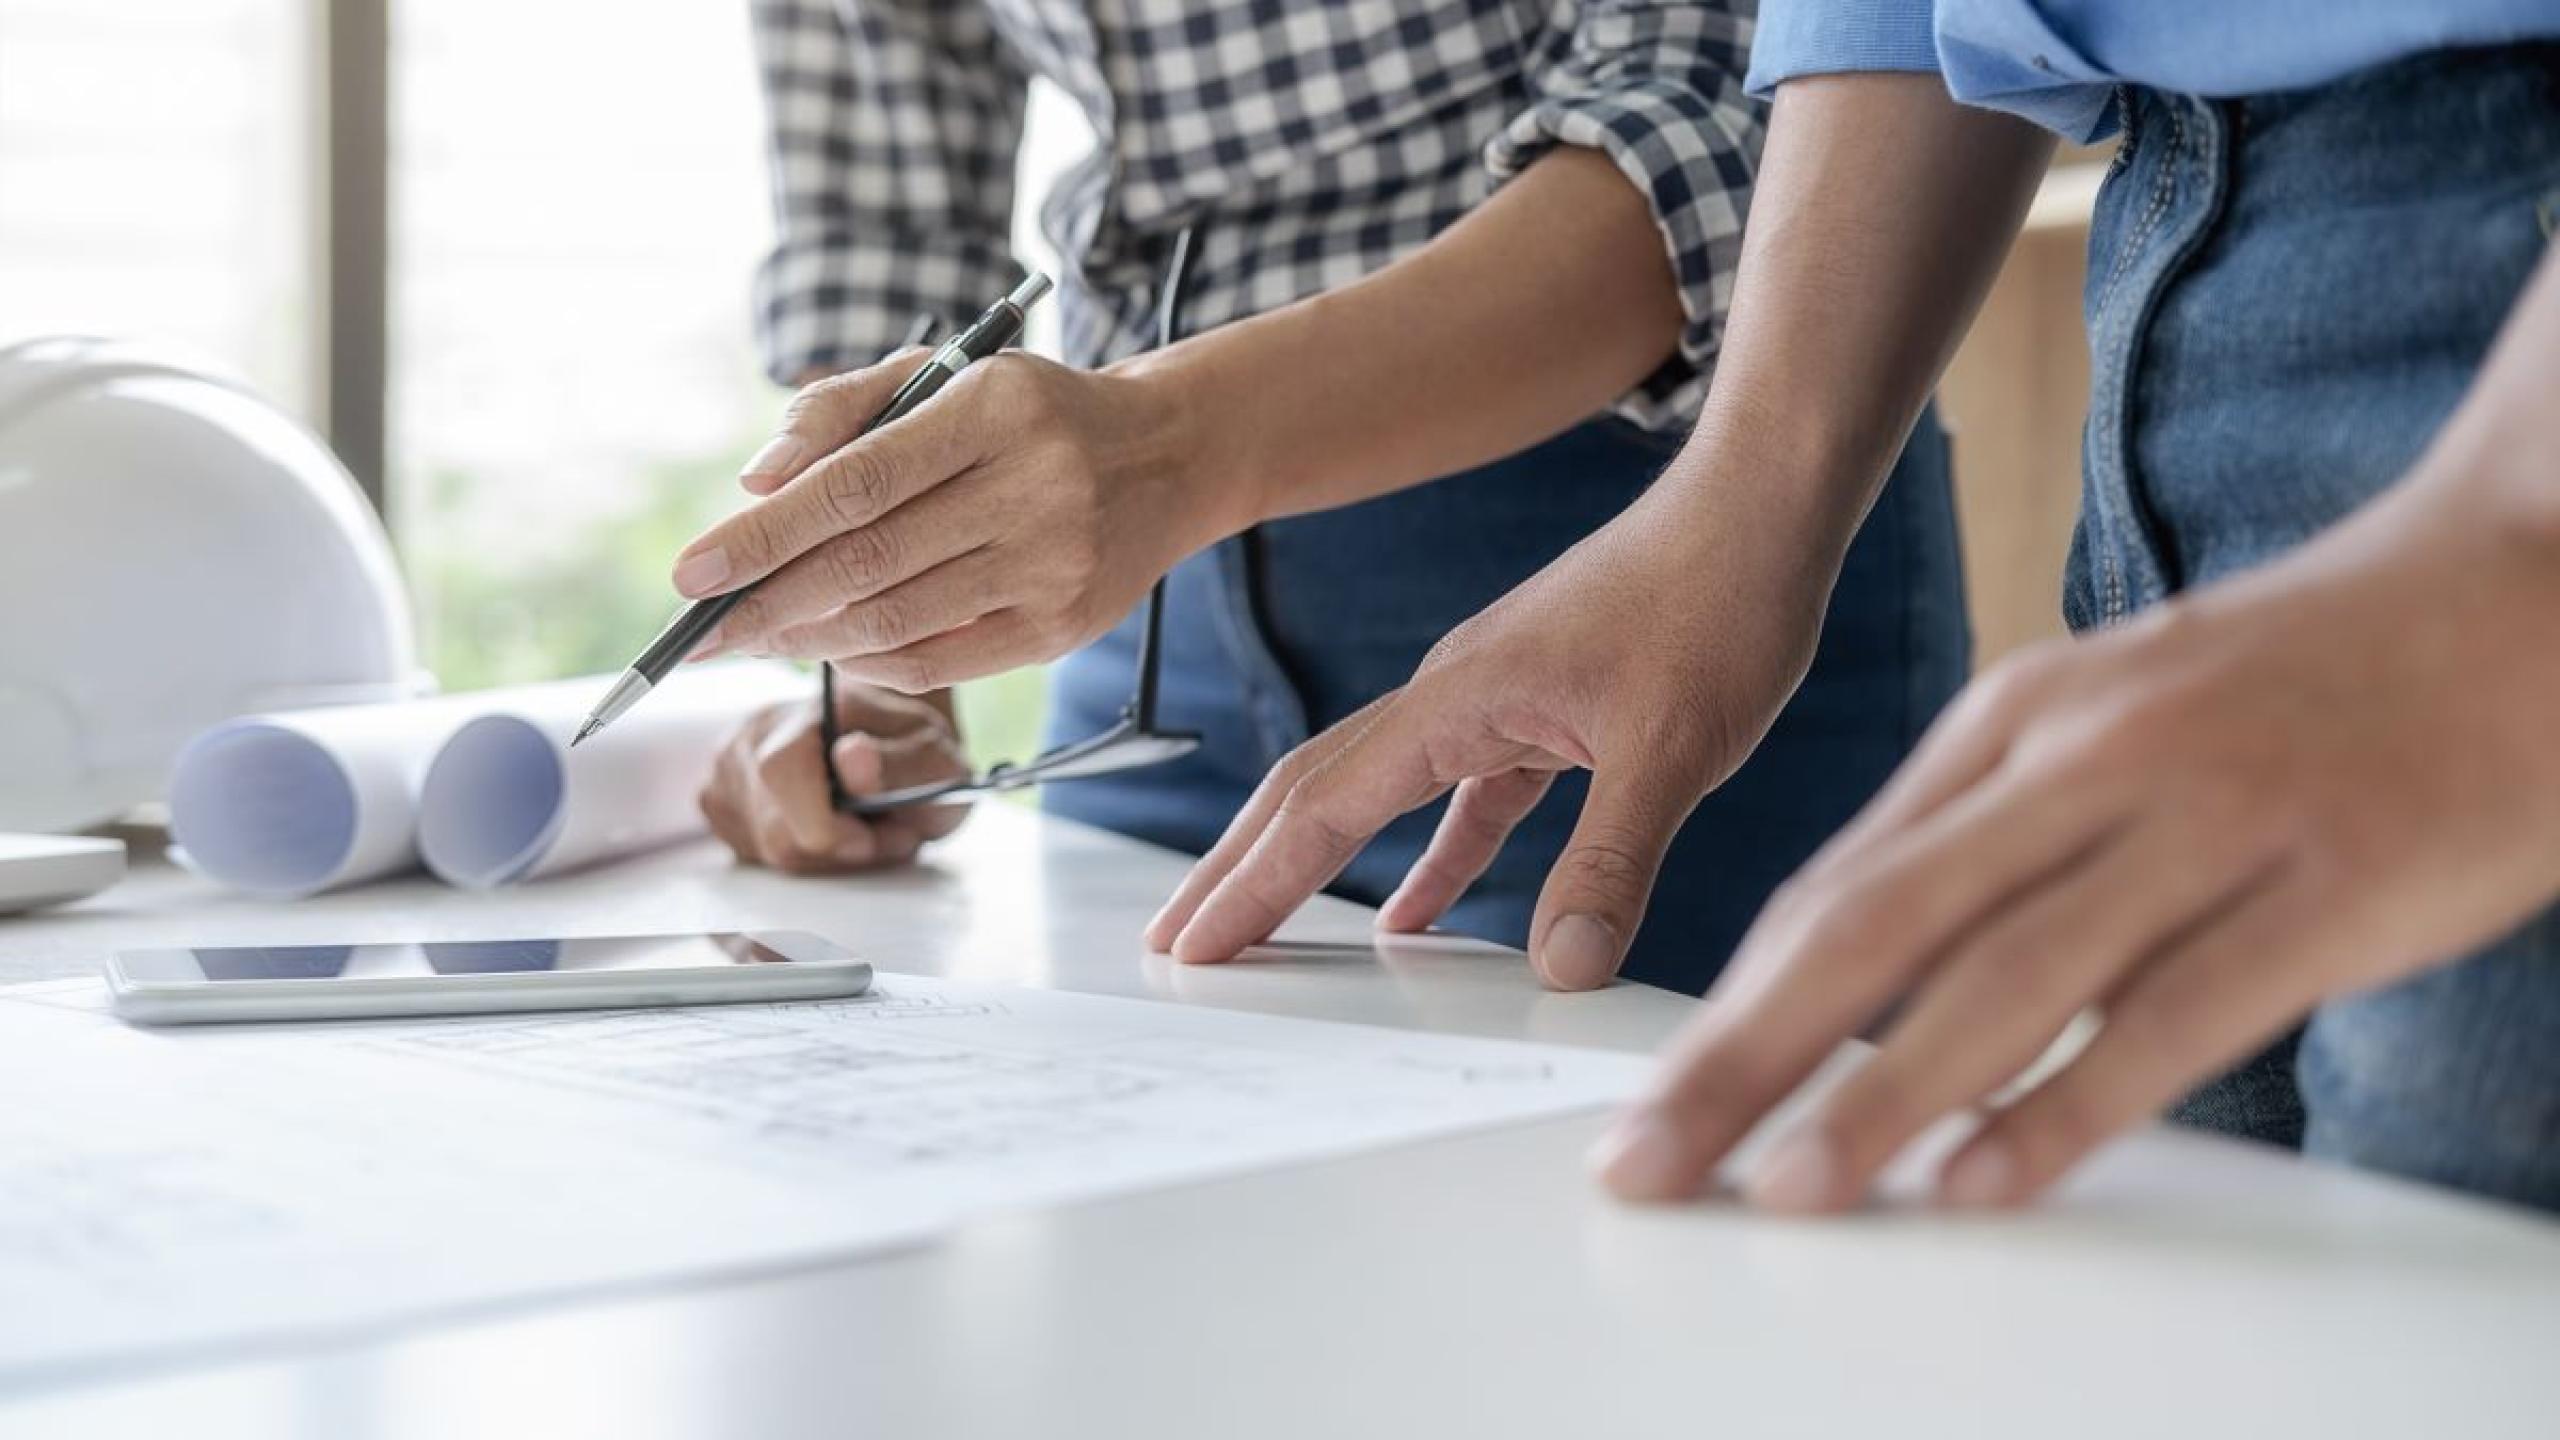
(173, 552)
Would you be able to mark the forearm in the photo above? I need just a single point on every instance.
(2498, 459)
(1532, 313)
(1882, 213)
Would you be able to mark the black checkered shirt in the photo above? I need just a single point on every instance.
(1309, 141)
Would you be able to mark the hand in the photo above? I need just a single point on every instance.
(1552, 675)
(2324, 776)
(768, 794)
(1017, 516)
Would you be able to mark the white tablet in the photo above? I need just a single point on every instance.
(477, 977)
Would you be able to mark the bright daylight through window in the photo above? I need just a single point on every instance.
(571, 383)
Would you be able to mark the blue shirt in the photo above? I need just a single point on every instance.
(2057, 62)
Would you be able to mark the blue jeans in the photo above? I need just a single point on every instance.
(2287, 296)
(1280, 633)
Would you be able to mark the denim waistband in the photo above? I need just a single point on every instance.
(2286, 296)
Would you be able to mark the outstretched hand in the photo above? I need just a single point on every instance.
(1617, 659)
(2328, 775)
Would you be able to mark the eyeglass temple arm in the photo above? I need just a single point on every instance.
(1142, 705)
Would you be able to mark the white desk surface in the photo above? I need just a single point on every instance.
(1476, 1286)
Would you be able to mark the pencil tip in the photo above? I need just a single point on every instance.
(584, 731)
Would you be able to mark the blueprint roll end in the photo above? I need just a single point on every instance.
(492, 803)
(264, 808)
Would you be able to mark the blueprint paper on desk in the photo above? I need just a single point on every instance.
(166, 1193)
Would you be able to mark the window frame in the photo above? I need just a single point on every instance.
(352, 177)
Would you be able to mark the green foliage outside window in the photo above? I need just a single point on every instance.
(585, 604)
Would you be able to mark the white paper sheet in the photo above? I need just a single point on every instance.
(310, 800)
(168, 1192)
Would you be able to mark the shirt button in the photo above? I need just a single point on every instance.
(2043, 64)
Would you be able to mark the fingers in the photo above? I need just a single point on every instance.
(720, 809)
(1237, 841)
(790, 777)
(869, 764)
(941, 599)
(828, 411)
(751, 820)
(1595, 896)
(1323, 820)
(2213, 998)
(1828, 954)
(842, 490)
(886, 712)
(2005, 991)
(928, 533)
(1961, 748)
(768, 799)
(990, 644)
(1480, 817)
(726, 795)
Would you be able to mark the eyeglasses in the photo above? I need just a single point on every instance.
(1134, 742)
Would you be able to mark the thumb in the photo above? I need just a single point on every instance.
(868, 764)
(1595, 896)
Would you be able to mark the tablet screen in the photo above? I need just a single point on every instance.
(450, 958)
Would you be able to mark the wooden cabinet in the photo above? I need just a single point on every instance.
(2013, 401)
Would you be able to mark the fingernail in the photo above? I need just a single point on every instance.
(1796, 1179)
(1581, 953)
(700, 574)
(1642, 1158)
(780, 456)
(1983, 1176)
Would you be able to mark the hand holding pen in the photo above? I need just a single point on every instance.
(874, 774)
(1017, 517)
(724, 570)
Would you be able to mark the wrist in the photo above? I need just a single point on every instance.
(1194, 437)
(1797, 489)
(2522, 495)
(2483, 479)
(2491, 464)
(1740, 550)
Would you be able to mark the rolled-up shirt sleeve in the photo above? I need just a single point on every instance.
(891, 129)
(1832, 37)
(1657, 87)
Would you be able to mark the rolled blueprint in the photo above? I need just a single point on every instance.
(309, 800)
(506, 799)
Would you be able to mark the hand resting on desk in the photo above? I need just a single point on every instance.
(767, 797)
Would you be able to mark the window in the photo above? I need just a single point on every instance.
(576, 202)
(154, 180)
(577, 199)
